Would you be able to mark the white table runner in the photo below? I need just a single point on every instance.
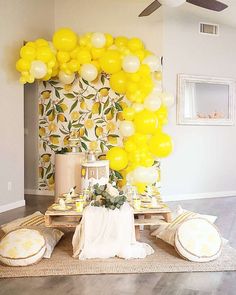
(105, 233)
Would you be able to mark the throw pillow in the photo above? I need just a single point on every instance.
(36, 221)
(166, 231)
(22, 247)
(198, 240)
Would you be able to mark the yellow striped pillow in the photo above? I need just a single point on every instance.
(35, 219)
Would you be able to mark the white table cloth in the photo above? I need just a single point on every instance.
(105, 233)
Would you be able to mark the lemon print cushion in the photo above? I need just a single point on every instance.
(22, 247)
(198, 240)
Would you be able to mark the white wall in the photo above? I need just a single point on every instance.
(19, 20)
(31, 137)
(204, 156)
(118, 17)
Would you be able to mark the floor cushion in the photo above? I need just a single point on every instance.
(198, 240)
(166, 231)
(22, 247)
(35, 221)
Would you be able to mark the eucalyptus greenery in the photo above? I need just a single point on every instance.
(103, 198)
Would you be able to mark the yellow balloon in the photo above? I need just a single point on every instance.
(158, 75)
(121, 41)
(132, 87)
(96, 64)
(162, 115)
(145, 122)
(109, 40)
(130, 146)
(63, 56)
(148, 161)
(134, 77)
(44, 53)
(83, 55)
(140, 54)
(139, 139)
(118, 82)
(111, 61)
(144, 70)
(65, 39)
(41, 42)
(31, 44)
(28, 53)
(128, 114)
(161, 145)
(117, 157)
(73, 65)
(97, 52)
(22, 65)
(141, 187)
(135, 44)
(46, 77)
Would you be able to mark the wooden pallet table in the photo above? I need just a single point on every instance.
(71, 218)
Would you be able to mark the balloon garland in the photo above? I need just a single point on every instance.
(134, 72)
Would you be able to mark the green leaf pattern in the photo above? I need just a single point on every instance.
(90, 108)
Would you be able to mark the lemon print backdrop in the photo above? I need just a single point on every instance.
(106, 89)
(93, 109)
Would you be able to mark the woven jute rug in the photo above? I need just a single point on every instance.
(165, 259)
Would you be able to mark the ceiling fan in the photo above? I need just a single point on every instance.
(208, 4)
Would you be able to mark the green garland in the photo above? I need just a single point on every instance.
(102, 198)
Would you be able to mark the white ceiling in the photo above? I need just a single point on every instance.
(227, 17)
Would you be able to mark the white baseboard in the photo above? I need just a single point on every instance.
(181, 197)
(166, 198)
(11, 206)
(38, 192)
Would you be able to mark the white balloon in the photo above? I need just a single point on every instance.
(153, 62)
(126, 128)
(38, 69)
(66, 78)
(130, 63)
(52, 47)
(98, 40)
(167, 99)
(145, 174)
(138, 107)
(172, 3)
(157, 87)
(130, 178)
(153, 102)
(88, 72)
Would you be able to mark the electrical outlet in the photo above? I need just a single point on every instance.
(9, 186)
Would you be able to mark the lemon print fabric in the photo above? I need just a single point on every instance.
(198, 240)
(92, 109)
(22, 247)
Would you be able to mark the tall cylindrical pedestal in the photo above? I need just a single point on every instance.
(68, 172)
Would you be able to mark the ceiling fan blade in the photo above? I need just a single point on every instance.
(151, 8)
(209, 4)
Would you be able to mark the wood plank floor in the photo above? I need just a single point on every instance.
(139, 284)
